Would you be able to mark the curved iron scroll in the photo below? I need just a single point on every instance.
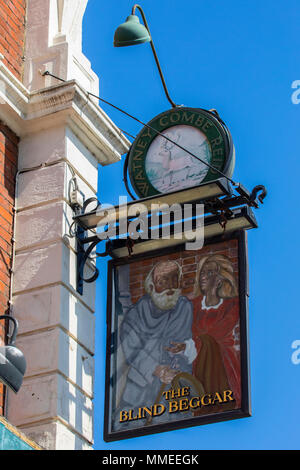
(218, 206)
(255, 191)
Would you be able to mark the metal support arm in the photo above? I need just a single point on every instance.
(155, 54)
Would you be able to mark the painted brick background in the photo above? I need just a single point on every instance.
(8, 169)
(188, 260)
(12, 33)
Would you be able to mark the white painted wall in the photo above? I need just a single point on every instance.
(54, 43)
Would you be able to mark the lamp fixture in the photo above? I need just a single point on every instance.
(132, 32)
(12, 360)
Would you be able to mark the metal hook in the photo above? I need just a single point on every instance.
(255, 191)
(130, 245)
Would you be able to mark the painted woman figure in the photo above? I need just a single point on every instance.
(213, 348)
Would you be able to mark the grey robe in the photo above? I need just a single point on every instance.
(144, 334)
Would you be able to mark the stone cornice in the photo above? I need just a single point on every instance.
(65, 104)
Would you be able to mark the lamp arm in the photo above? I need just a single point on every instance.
(14, 333)
(154, 53)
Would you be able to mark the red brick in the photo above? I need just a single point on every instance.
(136, 285)
(8, 167)
(5, 246)
(190, 260)
(6, 204)
(7, 236)
(16, 8)
(8, 135)
(188, 290)
(189, 268)
(12, 34)
(3, 300)
(4, 289)
(6, 215)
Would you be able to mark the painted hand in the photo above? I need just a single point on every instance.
(165, 374)
(176, 348)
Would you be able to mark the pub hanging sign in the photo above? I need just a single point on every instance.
(177, 339)
(162, 157)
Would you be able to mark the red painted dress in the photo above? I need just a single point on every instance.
(218, 362)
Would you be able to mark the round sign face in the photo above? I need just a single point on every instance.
(159, 163)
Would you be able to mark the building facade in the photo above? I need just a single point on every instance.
(53, 137)
(12, 41)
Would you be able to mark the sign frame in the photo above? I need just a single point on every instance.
(243, 292)
(218, 138)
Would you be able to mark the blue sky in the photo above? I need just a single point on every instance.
(240, 57)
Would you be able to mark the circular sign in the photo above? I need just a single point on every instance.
(159, 163)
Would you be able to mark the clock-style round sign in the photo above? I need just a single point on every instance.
(158, 163)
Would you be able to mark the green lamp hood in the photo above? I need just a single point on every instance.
(131, 32)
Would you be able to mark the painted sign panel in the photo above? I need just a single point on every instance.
(177, 339)
(162, 157)
(169, 168)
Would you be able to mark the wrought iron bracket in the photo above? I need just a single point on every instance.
(222, 208)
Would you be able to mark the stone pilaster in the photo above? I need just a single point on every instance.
(62, 133)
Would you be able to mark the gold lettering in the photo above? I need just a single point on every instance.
(183, 404)
(131, 417)
(163, 121)
(137, 155)
(139, 175)
(147, 410)
(197, 404)
(123, 416)
(207, 125)
(217, 398)
(203, 403)
(199, 121)
(173, 406)
(227, 394)
(147, 133)
(217, 152)
(141, 143)
(215, 142)
(157, 411)
(186, 118)
(144, 187)
(185, 391)
(136, 166)
(174, 117)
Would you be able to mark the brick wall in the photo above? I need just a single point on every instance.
(8, 169)
(12, 33)
(12, 36)
(188, 260)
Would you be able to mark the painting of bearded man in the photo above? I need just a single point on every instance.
(160, 318)
(177, 339)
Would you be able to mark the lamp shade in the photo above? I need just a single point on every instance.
(12, 360)
(131, 32)
(12, 367)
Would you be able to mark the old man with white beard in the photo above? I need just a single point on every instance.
(159, 319)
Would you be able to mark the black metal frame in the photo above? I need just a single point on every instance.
(222, 208)
(245, 410)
